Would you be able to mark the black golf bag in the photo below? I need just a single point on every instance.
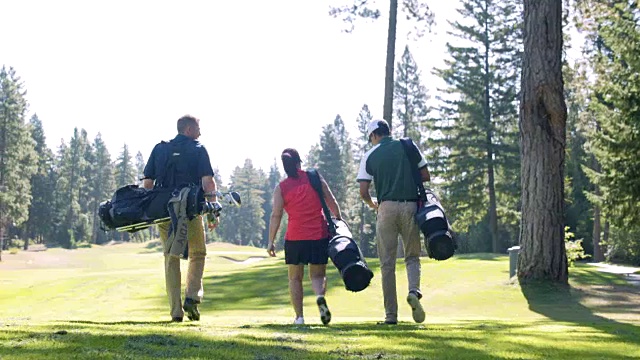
(433, 223)
(133, 208)
(346, 256)
(343, 250)
(430, 216)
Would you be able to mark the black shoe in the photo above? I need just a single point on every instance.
(387, 322)
(325, 314)
(176, 319)
(191, 308)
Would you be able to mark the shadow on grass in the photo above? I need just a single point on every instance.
(153, 246)
(90, 343)
(262, 286)
(125, 322)
(480, 256)
(462, 340)
(586, 275)
(565, 304)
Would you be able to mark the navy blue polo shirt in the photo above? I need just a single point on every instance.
(191, 164)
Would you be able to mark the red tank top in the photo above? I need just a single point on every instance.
(302, 204)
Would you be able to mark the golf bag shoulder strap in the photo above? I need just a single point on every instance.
(168, 173)
(316, 184)
(409, 150)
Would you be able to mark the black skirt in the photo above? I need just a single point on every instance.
(303, 252)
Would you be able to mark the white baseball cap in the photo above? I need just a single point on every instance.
(374, 125)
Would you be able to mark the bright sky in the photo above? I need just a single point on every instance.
(261, 75)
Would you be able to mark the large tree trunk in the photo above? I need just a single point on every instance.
(543, 116)
(1, 237)
(491, 184)
(598, 255)
(605, 237)
(387, 112)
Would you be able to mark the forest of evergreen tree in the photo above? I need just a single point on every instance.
(468, 132)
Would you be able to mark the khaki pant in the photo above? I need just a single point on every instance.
(397, 218)
(197, 254)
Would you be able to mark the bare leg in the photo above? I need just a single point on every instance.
(317, 274)
(296, 272)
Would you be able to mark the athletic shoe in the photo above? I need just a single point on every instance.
(325, 314)
(191, 308)
(299, 321)
(416, 308)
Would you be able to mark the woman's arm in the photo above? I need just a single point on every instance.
(330, 200)
(276, 218)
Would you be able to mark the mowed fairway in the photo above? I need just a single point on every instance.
(108, 302)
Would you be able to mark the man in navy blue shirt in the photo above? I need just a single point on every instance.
(183, 161)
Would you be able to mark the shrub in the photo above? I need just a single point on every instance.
(573, 247)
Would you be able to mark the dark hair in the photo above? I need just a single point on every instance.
(382, 130)
(186, 121)
(290, 161)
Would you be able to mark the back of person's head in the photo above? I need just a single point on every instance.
(291, 162)
(378, 127)
(185, 122)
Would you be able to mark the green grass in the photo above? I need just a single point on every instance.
(108, 302)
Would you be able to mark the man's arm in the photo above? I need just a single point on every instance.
(424, 174)
(147, 183)
(210, 188)
(364, 194)
(276, 217)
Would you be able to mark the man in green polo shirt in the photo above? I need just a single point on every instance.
(388, 166)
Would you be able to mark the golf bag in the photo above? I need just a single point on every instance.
(347, 258)
(133, 208)
(343, 250)
(433, 223)
(430, 216)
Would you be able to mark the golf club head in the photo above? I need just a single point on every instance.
(235, 196)
(232, 198)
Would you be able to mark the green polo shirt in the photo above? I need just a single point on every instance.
(387, 165)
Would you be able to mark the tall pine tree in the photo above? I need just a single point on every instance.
(481, 117)
(366, 217)
(125, 169)
(409, 99)
(39, 225)
(248, 223)
(103, 185)
(272, 180)
(70, 185)
(614, 37)
(18, 160)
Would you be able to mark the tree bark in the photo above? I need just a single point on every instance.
(598, 255)
(387, 112)
(1, 237)
(491, 183)
(543, 116)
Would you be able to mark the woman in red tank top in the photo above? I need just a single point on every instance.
(307, 236)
